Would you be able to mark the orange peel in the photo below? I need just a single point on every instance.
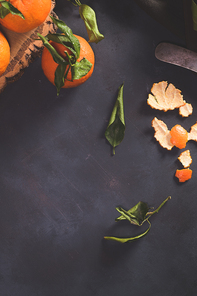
(162, 134)
(183, 175)
(165, 97)
(185, 158)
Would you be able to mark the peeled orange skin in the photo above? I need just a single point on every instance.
(4, 53)
(179, 136)
(34, 11)
(49, 66)
(183, 175)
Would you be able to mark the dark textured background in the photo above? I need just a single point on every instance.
(60, 184)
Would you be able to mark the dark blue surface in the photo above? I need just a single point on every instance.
(60, 184)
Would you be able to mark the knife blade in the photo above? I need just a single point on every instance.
(176, 55)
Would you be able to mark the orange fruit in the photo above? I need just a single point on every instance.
(34, 11)
(183, 175)
(49, 66)
(179, 136)
(4, 53)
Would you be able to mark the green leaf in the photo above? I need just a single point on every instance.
(80, 69)
(62, 39)
(89, 17)
(7, 7)
(56, 57)
(129, 239)
(136, 215)
(194, 14)
(69, 34)
(60, 76)
(116, 128)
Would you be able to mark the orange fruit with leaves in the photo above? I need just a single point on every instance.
(34, 12)
(179, 136)
(66, 66)
(49, 66)
(4, 53)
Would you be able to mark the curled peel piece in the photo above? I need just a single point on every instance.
(192, 135)
(185, 110)
(185, 158)
(162, 134)
(165, 97)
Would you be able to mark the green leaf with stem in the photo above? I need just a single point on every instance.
(89, 17)
(116, 128)
(69, 34)
(137, 216)
(7, 7)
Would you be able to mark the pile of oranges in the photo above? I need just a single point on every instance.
(26, 15)
(33, 12)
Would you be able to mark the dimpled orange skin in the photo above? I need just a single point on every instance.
(4, 53)
(183, 175)
(49, 66)
(179, 136)
(34, 11)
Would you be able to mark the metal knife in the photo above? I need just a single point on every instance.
(177, 55)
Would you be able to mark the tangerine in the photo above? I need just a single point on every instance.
(183, 174)
(179, 136)
(4, 53)
(49, 66)
(34, 11)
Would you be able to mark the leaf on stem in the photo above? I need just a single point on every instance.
(89, 17)
(75, 45)
(137, 216)
(116, 128)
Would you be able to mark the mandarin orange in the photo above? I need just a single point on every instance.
(4, 53)
(179, 136)
(34, 11)
(49, 66)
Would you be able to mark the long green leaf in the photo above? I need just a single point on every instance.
(69, 34)
(116, 128)
(89, 17)
(56, 57)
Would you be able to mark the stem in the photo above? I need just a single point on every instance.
(161, 205)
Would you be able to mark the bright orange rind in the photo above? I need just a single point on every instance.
(183, 175)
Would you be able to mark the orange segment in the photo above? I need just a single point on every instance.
(179, 136)
(183, 175)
